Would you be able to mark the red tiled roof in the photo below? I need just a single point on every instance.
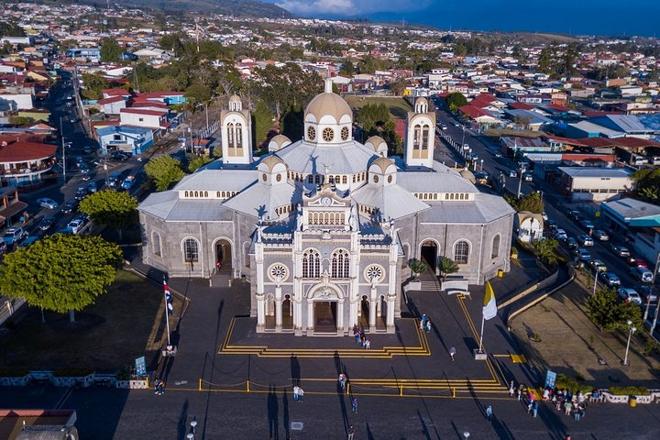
(110, 100)
(634, 142)
(147, 95)
(139, 111)
(116, 92)
(472, 111)
(582, 157)
(19, 151)
(482, 100)
(521, 106)
(143, 103)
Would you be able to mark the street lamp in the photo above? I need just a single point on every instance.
(193, 425)
(595, 279)
(466, 435)
(631, 329)
(190, 436)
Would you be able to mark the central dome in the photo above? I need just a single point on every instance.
(329, 104)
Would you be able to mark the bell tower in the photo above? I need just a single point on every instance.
(236, 137)
(420, 135)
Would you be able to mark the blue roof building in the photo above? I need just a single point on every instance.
(134, 140)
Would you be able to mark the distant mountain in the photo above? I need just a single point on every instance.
(245, 8)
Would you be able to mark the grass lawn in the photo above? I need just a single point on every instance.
(108, 335)
(397, 106)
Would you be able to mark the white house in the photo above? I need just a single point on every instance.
(139, 117)
(112, 105)
(23, 100)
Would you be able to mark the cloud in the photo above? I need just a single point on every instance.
(349, 7)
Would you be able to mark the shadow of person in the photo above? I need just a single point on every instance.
(273, 417)
(295, 370)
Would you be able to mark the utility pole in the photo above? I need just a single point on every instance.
(63, 151)
(520, 179)
(651, 290)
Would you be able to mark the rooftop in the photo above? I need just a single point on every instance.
(595, 172)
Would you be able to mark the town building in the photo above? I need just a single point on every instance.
(638, 222)
(594, 183)
(24, 159)
(323, 228)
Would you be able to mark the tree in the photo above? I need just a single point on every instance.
(546, 251)
(164, 171)
(532, 202)
(447, 266)
(347, 69)
(398, 86)
(196, 162)
(198, 93)
(111, 208)
(456, 100)
(647, 184)
(545, 61)
(93, 86)
(605, 310)
(61, 273)
(263, 122)
(417, 267)
(110, 50)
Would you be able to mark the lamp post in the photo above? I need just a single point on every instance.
(631, 329)
(595, 279)
(466, 434)
(651, 290)
(193, 426)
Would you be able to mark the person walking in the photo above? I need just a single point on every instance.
(367, 344)
(296, 393)
(535, 409)
(301, 394)
(512, 390)
(489, 412)
(452, 353)
(342, 382)
(519, 392)
(354, 405)
(351, 432)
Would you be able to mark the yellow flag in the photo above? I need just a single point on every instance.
(490, 307)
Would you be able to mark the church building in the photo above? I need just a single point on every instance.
(323, 228)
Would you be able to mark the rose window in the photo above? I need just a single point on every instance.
(374, 273)
(278, 273)
(328, 134)
(311, 133)
(344, 133)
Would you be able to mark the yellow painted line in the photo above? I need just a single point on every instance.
(518, 358)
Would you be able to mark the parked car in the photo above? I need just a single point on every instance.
(620, 251)
(29, 240)
(639, 262)
(629, 295)
(498, 155)
(86, 177)
(560, 234)
(601, 235)
(643, 274)
(77, 224)
(14, 235)
(610, 278)
(91, 187)
(528, 177)
(81, 193)
(3, 247)
(46, 223)
(572, 243)
(583, 255)
(587, 224)
(113, 180)
(585, 240)
(647, 293)
(69, 206)
(513, 173)
(45, 202)
(128, 182)
(574, 215)
(598, 265)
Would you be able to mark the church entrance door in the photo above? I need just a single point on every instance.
(325, 316)
(223, 256)
(430, 254)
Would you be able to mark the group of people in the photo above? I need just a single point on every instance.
(298, 393)
(361, 338)
(571, 404)
(425, 323)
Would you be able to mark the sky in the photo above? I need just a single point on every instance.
(576, 17)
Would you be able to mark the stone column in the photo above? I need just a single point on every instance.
(278, 309)
(353, 312)
(297, 317)
(372, 310)
(340, 316)
(390, 313)
(261, 311)
(310, 317)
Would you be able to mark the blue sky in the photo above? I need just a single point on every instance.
(606, 17)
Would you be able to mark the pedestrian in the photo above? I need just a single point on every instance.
(296, 393)
(530, 404)
(452, 352)
(422, 323)
(301, 394)
(489, 412)
(512, 390)
(342, 381)
(354, 405)
(519, 392)
(535, 409)
(367, 344)
(567, 407)
(428, 325)
(351, 432)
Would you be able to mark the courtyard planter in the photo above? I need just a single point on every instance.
(72, 377)
(133, 384)
(14, 378)
(631, 395)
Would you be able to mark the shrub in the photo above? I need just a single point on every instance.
(629, 391)
(573, 385)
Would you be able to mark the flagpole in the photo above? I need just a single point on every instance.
(481, 334)
(167, 313)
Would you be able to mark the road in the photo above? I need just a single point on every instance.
(556, 205)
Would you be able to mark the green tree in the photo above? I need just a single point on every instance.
(347, 69)
(545, 61)
(110, 50)
(196, 162)
(111, 208)
(417, 267)
(164, 171)
(263, 122)
(93, 86)
(647, 184)
(447, 266)
(198, 93)
(456, 100)
(398, 86)
(609, 314)
(532, 202)
(61, 273)
(546, 251)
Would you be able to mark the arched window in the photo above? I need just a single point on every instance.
(239, 135)
(311, 264)
(425, 137)
(340, 264)
(190, 250)
(495, 252)
(230, 136)
(155, 243)
(417, 136)
(461, 252)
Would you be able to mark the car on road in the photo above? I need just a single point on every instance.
(610, 278)
(647, 293)
(77, 224)
(88, 149)
(620, 251)
(513, 173)
(45, 202)
(14, 235)
(113, 180)
(583, 255)
(560, 234)
(587, 224)
(81, 193)
(120, 156)
(443, 127)
(598, 265)
(528, 177)
(69, 206)
(128, 182)
(572, 243)
(628, 294)
(86, 177)
(481, 177)
(601, 235)
(29, 240)
(642, 274)
(46, 223)
(498, 155)
(585, 240)
(574, 215)
(91, 187)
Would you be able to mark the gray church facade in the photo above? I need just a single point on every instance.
(323, 228)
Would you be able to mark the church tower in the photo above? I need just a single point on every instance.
(420, 135)
(236, 135)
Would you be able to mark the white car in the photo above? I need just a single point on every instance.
(644, 275)
(45, 202)
(629, 295)
(76, 225)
